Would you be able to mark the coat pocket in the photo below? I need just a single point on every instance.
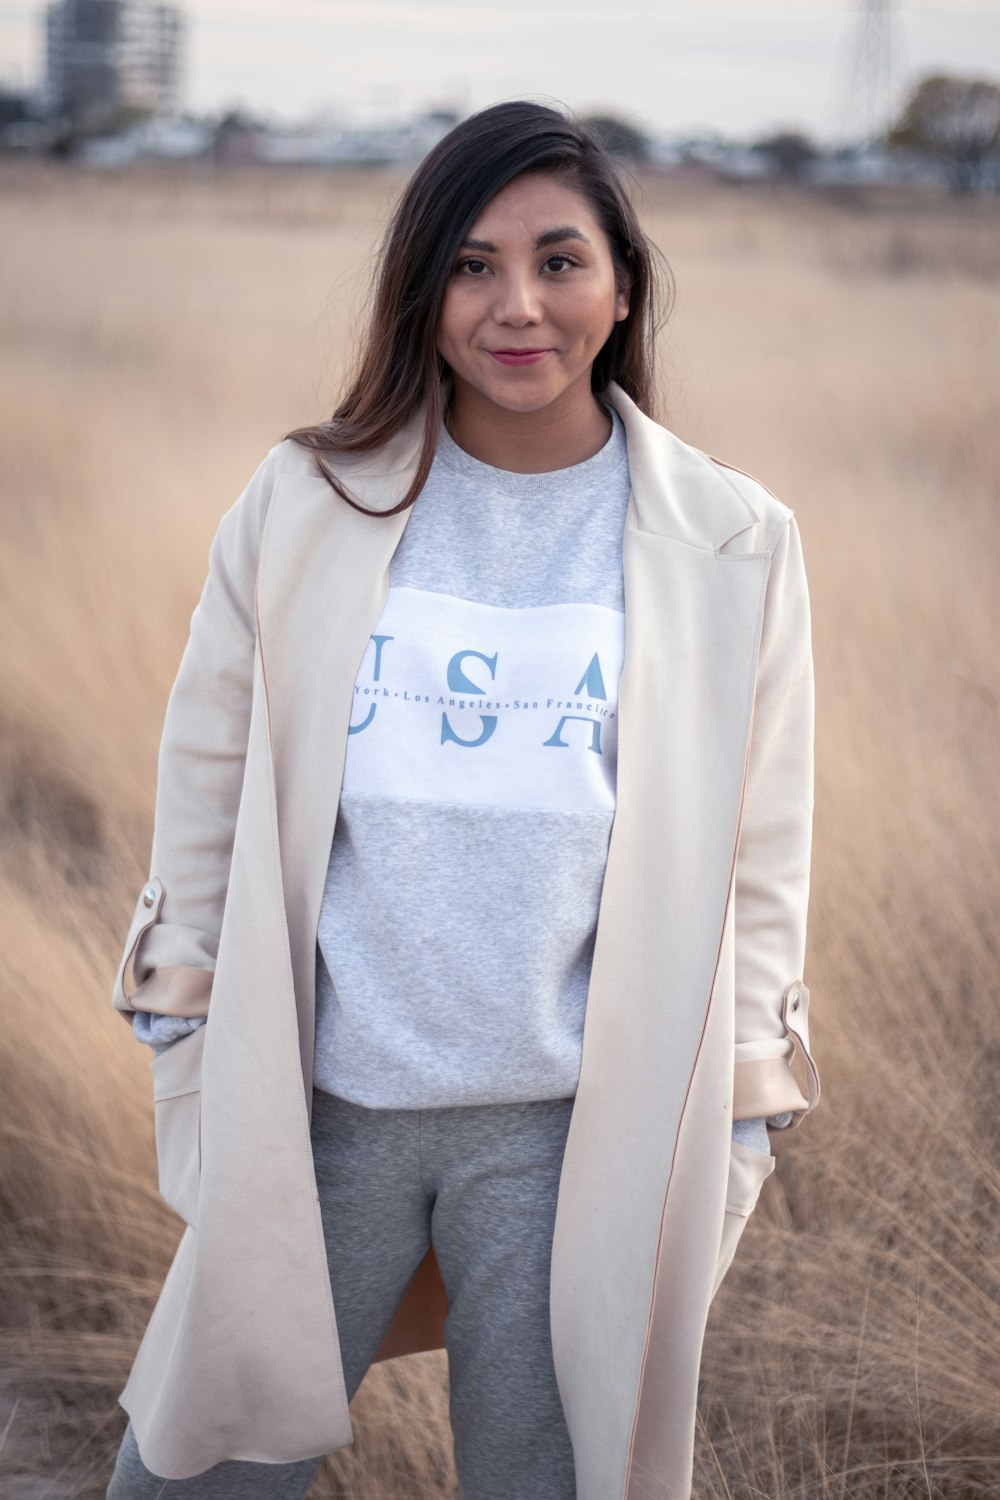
(748, 1171)
(177, 1105)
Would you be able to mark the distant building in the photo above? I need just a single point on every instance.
(103, 56)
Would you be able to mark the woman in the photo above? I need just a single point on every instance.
(499, 905)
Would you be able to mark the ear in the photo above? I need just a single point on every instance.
(622, 301)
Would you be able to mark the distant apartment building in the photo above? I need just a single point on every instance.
(106, 55)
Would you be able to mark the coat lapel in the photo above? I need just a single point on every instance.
(657, 1056)
(323, 581)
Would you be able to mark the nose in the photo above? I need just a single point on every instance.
(516, 300)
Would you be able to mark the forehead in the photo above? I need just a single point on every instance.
(533, 203)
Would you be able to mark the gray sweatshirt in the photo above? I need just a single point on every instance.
(458, 919)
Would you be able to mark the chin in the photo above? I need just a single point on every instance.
(524, 400)
(525, 403)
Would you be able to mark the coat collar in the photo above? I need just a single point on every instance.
(677, 490)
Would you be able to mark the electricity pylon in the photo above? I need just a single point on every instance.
(871, 74)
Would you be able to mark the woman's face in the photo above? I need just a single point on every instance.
(534, 274)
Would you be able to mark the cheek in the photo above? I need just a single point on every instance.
(455, 320)
(597, 313)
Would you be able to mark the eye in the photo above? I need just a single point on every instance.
(470, 261)
(567, 258)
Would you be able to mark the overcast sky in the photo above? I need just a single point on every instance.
(673, 65)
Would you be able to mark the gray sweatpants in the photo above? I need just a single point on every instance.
(479, 1182)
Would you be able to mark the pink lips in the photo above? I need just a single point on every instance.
(519, 357)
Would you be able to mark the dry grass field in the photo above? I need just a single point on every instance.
(159, 331)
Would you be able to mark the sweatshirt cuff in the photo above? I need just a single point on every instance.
(161, 1031)
(752, 1133)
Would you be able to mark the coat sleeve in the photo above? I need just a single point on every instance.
(772, 876)
(173, 938)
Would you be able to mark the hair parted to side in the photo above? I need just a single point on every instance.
(398, 365)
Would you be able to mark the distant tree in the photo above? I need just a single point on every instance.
(72, 135)
(234, 138)
(955, 119)
(239, 120)
(123, 119)
(789, 150)
(15, 108)
(619, 136)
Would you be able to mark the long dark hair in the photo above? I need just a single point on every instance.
(398, 367)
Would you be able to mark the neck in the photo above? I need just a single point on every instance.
(533, 442)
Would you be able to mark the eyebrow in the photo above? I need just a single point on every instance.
(547, 237)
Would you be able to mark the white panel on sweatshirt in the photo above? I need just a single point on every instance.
(464, 702)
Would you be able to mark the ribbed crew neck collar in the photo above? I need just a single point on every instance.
(606, 461)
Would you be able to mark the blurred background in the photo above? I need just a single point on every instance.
(189, 200)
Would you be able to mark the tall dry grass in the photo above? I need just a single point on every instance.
(158, 332)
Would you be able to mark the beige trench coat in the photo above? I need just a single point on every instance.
(696, 1001)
